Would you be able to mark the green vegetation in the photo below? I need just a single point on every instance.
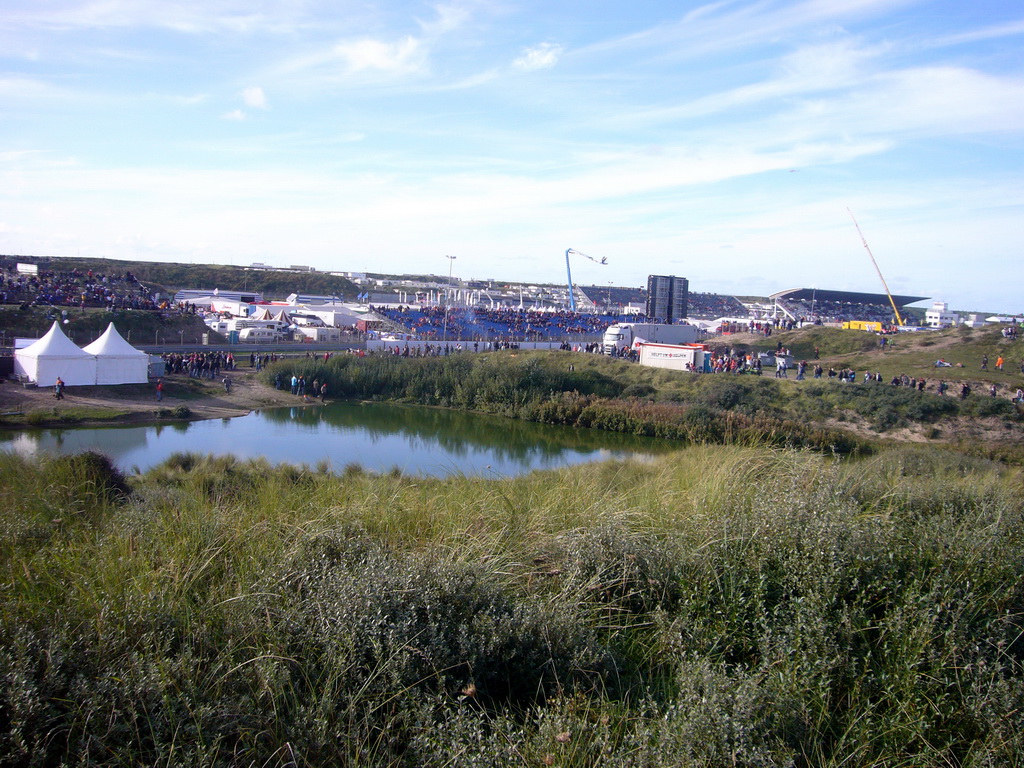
(912, 353)
(598, 392)
(66, 415)
(721, 606)
(741, 602)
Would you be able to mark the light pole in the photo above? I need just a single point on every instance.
(448, 298)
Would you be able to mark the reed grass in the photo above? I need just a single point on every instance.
(723, 605)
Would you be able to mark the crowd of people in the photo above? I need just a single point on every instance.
(712, 305)
(199, 365)
(73, 288)
(836, 312)
(497, 324)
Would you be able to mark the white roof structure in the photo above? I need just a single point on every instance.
(55, 355)
(117, 361)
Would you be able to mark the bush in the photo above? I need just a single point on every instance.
(93, 477)
(367, 614)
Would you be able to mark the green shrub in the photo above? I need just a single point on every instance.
(985, 407)
(414, 621)
(92, 474)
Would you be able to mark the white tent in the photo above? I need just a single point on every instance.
(117, 361)
(55, 355)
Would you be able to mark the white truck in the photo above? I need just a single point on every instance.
(625, 336)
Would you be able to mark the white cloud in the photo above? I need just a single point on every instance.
(254, 97)
(406, 55)
(924, 101)
(1010, 29)
(450, 17)
(187, 16)
(234, 114)
(543, 56)
(349, 60)
(14, 86)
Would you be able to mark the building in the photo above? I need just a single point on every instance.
(667, 298)
(192, 296)
(939, 316)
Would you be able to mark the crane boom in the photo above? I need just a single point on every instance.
(572, 298)
(867, 248)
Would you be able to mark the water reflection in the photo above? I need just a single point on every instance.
(456, 432)
(416, 440)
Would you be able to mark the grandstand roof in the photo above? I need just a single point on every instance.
(846, 297)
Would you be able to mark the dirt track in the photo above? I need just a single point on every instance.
(205, 400)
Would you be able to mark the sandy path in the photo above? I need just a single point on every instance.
(139, 400)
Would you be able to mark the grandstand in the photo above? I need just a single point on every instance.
(825, 306)
(710, 306)
(613, 298)
(507, 324)
(71, 288)
(699, 305)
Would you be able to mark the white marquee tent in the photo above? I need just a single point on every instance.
(117, 361)
(52, 356)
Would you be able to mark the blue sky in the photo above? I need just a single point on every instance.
(726, 142)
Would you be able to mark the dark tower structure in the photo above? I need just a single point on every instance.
(667, 297)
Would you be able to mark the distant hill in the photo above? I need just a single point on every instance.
(169, 278)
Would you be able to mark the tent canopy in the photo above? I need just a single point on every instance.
(117, 361)
(53, 356)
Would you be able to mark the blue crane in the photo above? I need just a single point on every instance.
(572, 297)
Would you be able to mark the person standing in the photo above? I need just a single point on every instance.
(323, 392)
(58, 388)
(159, 390)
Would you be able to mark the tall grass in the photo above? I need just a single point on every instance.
(725, 605)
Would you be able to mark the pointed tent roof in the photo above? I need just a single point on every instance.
(112, 344)
(54, 344)
(283, 317)
(262, 314)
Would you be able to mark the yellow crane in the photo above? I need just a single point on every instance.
(899, 319)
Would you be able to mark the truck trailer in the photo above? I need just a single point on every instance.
(677, 357)
(624, 336)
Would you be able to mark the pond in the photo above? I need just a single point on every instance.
(412, 439)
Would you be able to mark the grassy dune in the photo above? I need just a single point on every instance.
(726, 605)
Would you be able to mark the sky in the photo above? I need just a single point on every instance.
(728, 142)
